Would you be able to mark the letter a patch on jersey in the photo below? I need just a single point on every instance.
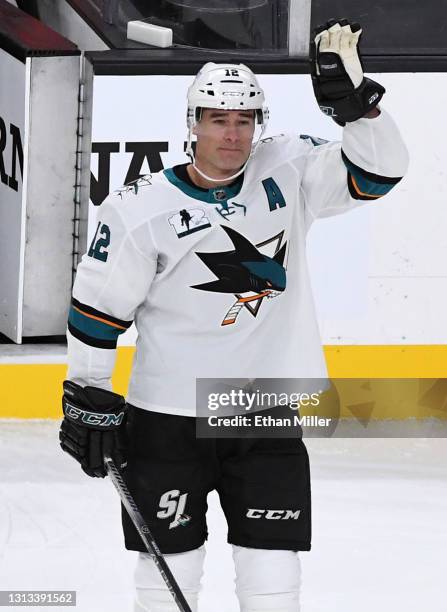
(274, 194)
(247, 272)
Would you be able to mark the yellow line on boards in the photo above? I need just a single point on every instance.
(387, 361)
(33, 390)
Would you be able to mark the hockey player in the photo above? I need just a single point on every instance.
(208, 260)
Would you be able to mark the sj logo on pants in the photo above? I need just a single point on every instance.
(173, 504)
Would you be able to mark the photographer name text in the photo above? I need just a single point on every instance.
(260, 420)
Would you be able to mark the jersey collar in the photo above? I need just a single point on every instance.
(215, 195)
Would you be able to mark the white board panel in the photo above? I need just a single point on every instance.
(14, 77)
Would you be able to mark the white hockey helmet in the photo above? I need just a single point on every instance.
(228, 87)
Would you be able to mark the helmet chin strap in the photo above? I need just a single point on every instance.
(220, 180)
(190, 153)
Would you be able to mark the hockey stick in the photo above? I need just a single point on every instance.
(145, 534)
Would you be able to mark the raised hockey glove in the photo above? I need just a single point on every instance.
(341, 89)
(94, 425)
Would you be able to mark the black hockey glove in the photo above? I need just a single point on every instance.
(340, 87)
(94, 425)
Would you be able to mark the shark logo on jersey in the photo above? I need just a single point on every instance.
(188, 221)
(247, 272)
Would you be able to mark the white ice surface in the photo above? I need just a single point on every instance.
(379, 527)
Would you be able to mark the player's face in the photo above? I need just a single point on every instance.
(224, 140)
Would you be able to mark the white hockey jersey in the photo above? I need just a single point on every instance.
(216, 280)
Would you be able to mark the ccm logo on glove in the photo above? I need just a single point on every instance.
(93, 418)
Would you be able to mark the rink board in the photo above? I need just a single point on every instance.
(33, 390)
(380, 300)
